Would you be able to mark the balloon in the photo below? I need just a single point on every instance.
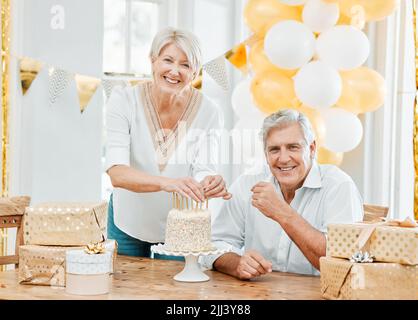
(289, 44)
(272, 91)
(319, 15)
(260, 63)
(293, 2)
(260, 15)
(343, 47)
(241, 99)
(324, 156)
(317, 122)
(344, 130)
(363, 90)
(318, 85)
(374, 9)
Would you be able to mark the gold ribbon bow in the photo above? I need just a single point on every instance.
(367, 232)
(95, 248)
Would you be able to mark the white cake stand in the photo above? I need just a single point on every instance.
(191, 271)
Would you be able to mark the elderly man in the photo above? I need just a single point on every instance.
(277, 220)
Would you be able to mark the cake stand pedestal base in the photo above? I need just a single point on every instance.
(191, 271)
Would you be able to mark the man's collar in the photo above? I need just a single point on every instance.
(313, 179)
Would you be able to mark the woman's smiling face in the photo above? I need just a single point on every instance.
(171, 69)
(288, 156)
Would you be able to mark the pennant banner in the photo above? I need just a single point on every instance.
(58, 81)
(238, 57)
(29, 70)
(197, 82)
(109, 84)
(216, 68)
(86, 87)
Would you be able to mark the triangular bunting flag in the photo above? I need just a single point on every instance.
(109, 84)
(134, 82)
(197, 82)
(216, 68)
(58, 81)
(86, 87)
(29, 70)
(238, 57)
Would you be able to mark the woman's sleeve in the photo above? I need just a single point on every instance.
(206, 160)
(118, 127)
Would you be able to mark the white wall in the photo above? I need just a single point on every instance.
(57, 150)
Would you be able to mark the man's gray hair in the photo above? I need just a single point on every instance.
(185, 40)
(284, 118)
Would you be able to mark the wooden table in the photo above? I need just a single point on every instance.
(142, 278)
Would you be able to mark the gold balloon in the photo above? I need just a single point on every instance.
(273, 91)
(260, 15)
(363, 90)
(317, 122)
(324, 156)
(374, 9)
(261, 63)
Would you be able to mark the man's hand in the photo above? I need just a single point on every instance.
(268, 202)
(215, 187)
(252, 265)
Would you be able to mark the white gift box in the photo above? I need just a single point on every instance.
(88, 274)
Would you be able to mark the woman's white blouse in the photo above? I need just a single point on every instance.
(134, 138)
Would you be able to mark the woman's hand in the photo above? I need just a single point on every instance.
(215, 187)
(187, 187)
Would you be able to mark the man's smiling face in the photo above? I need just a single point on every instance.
(288, 156)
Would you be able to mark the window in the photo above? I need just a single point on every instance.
(129, 27)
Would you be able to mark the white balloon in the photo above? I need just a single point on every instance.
(344, 130)
(242, 101)
(343, 47)
(318, 85)
(293, 2)
(289, 44)
(319, 15)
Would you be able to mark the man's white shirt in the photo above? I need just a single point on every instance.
(328, 195)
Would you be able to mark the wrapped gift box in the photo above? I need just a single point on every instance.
(342, 279)
(45, 265)
(386, 243)
(65, 224)
(87, 274)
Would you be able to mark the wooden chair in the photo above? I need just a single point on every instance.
(372, 212)
(11, 216)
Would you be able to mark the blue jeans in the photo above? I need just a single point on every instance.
(130, 246)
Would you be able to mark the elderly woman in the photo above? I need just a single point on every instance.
(162, 137)
(281, 215)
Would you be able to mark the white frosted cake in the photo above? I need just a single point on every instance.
(188, 230)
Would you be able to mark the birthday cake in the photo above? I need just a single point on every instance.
(188, 230)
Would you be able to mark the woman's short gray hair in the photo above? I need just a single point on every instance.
(185, 40)
(284, 118)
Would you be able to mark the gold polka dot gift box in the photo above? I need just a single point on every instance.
(342, 279)
(65, 223)
(45, 265)
(387, 241)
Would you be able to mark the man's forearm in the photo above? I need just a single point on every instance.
(309, 240)
(227, 263)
